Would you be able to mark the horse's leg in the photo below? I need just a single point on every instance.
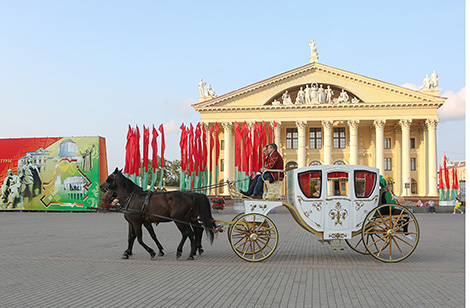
(184, 235)
(186, 232)
(130, 242)
(154, 237)
(198, 231)
(138, 231)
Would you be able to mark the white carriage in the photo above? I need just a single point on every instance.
(336, 202)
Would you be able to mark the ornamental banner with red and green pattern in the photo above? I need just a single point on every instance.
(52, 174)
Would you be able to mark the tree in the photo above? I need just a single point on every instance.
(171, 172)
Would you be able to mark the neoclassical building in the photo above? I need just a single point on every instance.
(326, 115)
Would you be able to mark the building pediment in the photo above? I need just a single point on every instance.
(323, 87)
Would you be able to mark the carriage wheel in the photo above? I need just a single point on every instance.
(394, 230)
(357, 244)
(253, 237)
(230, 228)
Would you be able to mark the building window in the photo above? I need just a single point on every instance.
(339, 137)
(291, 138)
(315, 163)
(291, 165)
(413, 164)
(222, 145)
(315, 138)
(388, 164)
(387, 143)
(339, 162)
(222, 164)
(413, 143)
(414, 186)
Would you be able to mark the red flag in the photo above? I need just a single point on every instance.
(182, 147)
(446, 173)
(441, 183)
(455, 180)
(146, 149)
(263, 135)
(197, 148)
(250, 150)
(137, 151)
(217, 144)
(255, 139)
(270, 131)
(154, 149)
(211, 146)
(127, 165)
(204, 147)
(245, 136)
(237, 144)
(162, 157)
(191, 148)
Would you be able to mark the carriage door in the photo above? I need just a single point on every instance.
(337, 217)
(365, 197)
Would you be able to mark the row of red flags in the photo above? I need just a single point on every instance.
(248, 146)
(133, 158)
(445, 178)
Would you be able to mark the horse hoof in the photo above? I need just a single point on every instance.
(152, 255)
(178, 255)
(125, 257)
(201, 251)
(190, 258)
(161, 254)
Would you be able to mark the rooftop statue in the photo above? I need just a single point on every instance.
(201, 85)
(434, 80)
(426, 83)
(313, 51)
(210, 92)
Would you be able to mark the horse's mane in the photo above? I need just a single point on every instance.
(128, 184)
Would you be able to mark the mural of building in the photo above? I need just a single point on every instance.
(326, 115)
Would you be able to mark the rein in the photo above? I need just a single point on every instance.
(124, 208)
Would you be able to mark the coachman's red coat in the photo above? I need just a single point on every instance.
(275, 161)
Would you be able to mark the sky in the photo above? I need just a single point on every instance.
(92, 68)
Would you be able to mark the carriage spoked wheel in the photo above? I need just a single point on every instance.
(391, 233)
(253, 237)
(230, 228)
(357, 244)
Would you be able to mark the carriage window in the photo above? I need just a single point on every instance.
(364, 183)
(338, 184)
(310, 183)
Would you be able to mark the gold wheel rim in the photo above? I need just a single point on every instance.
(254, 237)
(396, 233)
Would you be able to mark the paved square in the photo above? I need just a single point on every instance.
(74, 260)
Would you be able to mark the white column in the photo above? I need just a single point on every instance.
(301, 148)
(379, 145)
(405, 154)
(277, 135)
(371, 161)
(327, 128)
(353, 125)
(228, 155)
(396, 163)
(421, 161)
(432, 152)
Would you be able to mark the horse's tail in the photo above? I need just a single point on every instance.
(205, 214)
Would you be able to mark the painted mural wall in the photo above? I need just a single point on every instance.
(52, 174)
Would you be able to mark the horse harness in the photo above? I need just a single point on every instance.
(144, 211)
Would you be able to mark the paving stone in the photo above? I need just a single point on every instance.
(74, 260)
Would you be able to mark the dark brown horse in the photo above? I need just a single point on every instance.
(143, 208)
